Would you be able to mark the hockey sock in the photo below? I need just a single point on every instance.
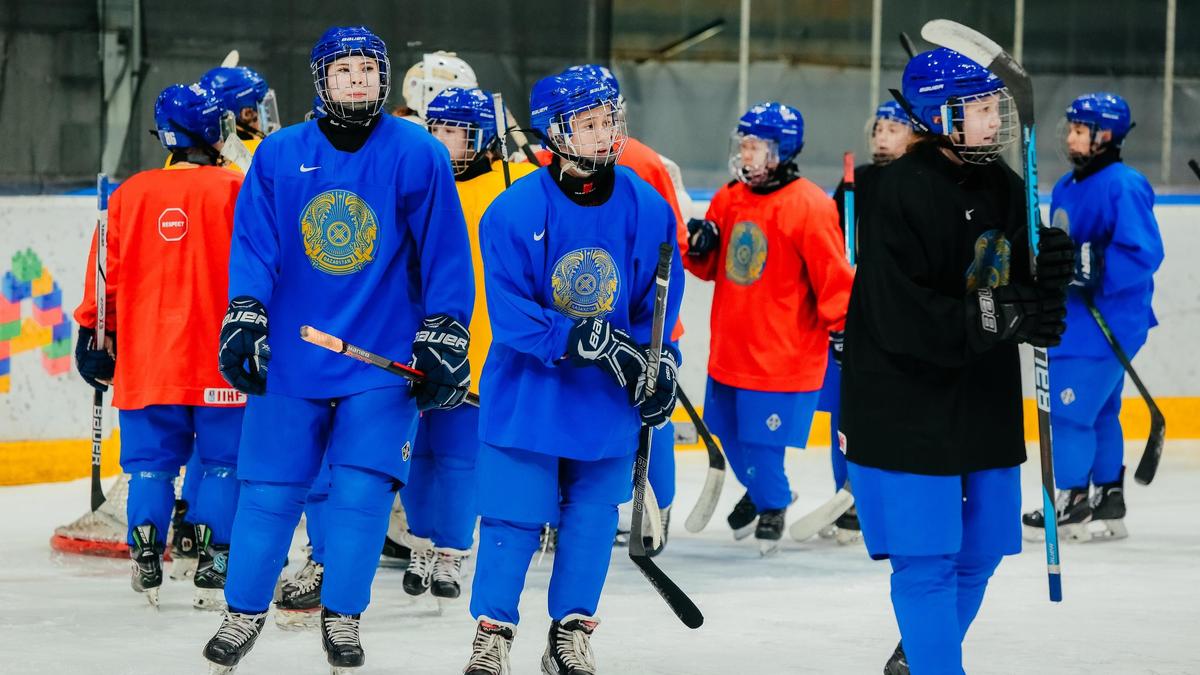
(662, 465)
(454, 500)
(505, 550)
(1110, 442)
(314, 521)
(419, 495)
(193, 474)
(360, 502)
(585, 535)
(216, 501)
(266, 517)
(151, 500)
(973, 574)
(924, 597)
(768, 483)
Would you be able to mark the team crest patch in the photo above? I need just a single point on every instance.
(340, 231)
(1067, 396)
(746, 255)
(406, 451)
(585, 283)
(993, 260)
(773, 422)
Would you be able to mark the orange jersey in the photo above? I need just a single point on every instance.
(167, 278)
(782, 284)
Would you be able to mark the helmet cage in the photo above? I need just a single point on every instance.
(589, 149)
(473, 142)
(356, 111)
(755, 172)
(954, 112)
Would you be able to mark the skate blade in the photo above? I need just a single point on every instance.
(296, 620)
(393, 563)
(216, 669)
(344, 670)
(151, 595)
(767, 547)
(1108, 530)
(847, 537)
(183, 569)
(1032, 533)
(828, 532)
(209, 599)
(745, 531)
(1077, 533)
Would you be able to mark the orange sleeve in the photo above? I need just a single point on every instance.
(823, 251)
(85, 313)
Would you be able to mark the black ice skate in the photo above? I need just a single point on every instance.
(569, 650)
(300, 606)
(648, 542)
(233, 641)
(898, 664)
(489, 651)
(339, 636)
(741, 519)
(420, 567)
(183, 543)
(769, 530)
(1074, 513)
(1108, 510)
(212, 566)
(147, 562)
(394, 554)
(446, 577)
(848, 528)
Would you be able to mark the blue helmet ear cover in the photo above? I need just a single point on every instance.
(187, 116)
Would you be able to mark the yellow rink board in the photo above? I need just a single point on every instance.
(25, 462)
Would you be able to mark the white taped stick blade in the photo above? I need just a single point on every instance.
(966, 41)
(702, 513)
(811, 523)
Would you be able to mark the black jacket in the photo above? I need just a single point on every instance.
(916, 395)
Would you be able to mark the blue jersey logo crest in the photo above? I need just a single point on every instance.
(340, 231)
(585, 283)
(993, 261)
(746, 255)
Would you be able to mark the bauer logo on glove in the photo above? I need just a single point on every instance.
(440, 352)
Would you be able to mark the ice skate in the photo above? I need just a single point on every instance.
(396, 553)
(420, 567)
(1074, 513)
(848, 529)
(147, 562)
(234, 639)
(339, 637)
(489, 651)
(300, 606)
(213, 562)
(741, 519)
(183, 544)
(569, 650)
(446, 577)
(898, 663)
(1108, 511)
(769, 530)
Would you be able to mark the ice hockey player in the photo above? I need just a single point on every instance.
(440, 496)
(168, 225)
(243, 92)
(1108, 209)
(931, 377)
(427, 78)
(568, 257)
(888, 135)
(349, 223)
(771, 243)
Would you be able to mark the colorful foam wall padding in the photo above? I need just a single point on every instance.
(46, 327)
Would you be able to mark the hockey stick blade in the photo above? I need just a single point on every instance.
(714, 482)
(677, 600)
(231, 59)
(1195, 167)
(823, 516)
(983, 50)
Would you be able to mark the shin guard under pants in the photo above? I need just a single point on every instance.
(505, 549)
(216, 501)
(315, 508)
(151, 500)
(192, 476)
(360, 502)
(266, 517)
(760, 469)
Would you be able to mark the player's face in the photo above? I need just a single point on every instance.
(353, 79)
(981, 121)
(595, 132)
(890, 140)
(758, 157)
(249, 117)
(1080, 141)
(455, 140)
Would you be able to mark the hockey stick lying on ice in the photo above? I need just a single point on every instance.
(982, 50)
(679, 602)
(714, 481)
(335, 344)
(1148, 465)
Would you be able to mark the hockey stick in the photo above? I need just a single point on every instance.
(1148, 465)
(335, 344)
(982, 50)
(679, 602)
(101, 311)
(1195, 167)
(823, 516)
(714, 481)
(231, 59)
(848, 207)
(907, 43)
(501, 136)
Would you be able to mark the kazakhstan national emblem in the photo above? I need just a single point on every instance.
(340, 231)
(993, 259)
(585, 283)
(746, 255)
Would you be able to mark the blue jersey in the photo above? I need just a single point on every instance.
(547, 262)
(362, 245)
(1113, 210)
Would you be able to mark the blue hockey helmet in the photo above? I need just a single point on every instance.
(236, 88)
(472, 110)
(886, 147)
(318, 109)
(941, 85)
(555, 103)
(779, 127)
(353, 91)
(892, 110)
(1102, 111)
(187, 116)
(599, 72)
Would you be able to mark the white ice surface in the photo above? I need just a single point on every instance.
(1130, 607)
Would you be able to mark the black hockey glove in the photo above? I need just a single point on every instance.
(94, 364)
(1017, 314)
(1055, 258)
(440, 351)
(1089, 268)
(657, 408)
(837, 343)
(593, 341)
(703, 237)
(244, 351)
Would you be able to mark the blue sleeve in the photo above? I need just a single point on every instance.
(254, 250)
(518, 321)
(435, 217)
(642, 311)
(1136, 249)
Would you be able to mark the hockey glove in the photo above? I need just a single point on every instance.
(1055, 258)
(593, 341)
(94, 364)
(1017, 314)
(244, 351)
(703, 237)
(440, 351)
(837, 344)
(657, 408)
(1089, 268)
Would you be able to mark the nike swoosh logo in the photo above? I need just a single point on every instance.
(539, 235)
(306, 169)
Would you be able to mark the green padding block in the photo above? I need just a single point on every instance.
(57, 348)
(27, 266)
(10, 330)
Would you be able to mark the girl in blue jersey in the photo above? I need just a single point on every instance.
(350, 223)
(569, 259)
(1108, 209)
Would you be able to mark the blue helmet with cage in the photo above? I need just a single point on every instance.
(1102, 111)
(599, 72)
(774, 121)
(472, 110)
(348, 95)
(236, 88)
(892, 110)
(556, 101)
(187, 116)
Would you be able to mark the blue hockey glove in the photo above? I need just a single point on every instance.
(244, 351)
(1089, 267)
(440, 351)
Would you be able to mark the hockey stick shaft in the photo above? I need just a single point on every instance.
(907, 43)
(849, 226)
(702, 513)
(502, 136)
(336, 344)
(1148, 465)
(1195, 167)
(101, 281)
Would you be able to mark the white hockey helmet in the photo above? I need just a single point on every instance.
(433, 73)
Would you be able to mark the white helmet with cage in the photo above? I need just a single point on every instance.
(433, 73)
